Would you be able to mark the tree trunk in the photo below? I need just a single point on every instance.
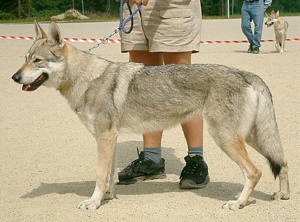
(28, 7)
(19, 8)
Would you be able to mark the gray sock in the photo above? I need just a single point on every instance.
(153, 154)
(193, 151)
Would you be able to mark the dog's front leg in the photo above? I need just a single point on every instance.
(104, 180)
(277, 45)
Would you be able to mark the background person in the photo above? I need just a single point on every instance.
(254, 10)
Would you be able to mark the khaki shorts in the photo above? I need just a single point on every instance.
(164, 26)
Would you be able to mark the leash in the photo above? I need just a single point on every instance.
(122, 23)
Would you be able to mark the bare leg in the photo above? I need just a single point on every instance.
(153, 139)
(193, 130)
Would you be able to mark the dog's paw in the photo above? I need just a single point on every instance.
(280, 196)
(232, 205)
(90, 204)
(108, 196)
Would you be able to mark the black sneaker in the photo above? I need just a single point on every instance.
(250, 49)
(142, 169)
(195, 174)
(255, 50)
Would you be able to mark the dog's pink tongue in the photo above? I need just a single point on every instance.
(25, 87)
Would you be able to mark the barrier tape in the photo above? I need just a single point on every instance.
(114, 41)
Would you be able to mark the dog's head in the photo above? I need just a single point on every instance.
(272, 18)
(44, 62)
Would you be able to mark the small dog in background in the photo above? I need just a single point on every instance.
(280, 28)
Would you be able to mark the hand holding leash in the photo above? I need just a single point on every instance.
(130, 18)
(140, 2)
(122, 22)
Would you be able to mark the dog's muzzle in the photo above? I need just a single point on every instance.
(17, 77)
(269, 24)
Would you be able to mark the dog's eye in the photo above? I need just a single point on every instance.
(37, 60)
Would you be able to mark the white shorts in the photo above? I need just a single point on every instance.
(164, 26)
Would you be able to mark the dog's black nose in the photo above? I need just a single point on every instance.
(16, 77)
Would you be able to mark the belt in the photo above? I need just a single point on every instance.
(251, 0)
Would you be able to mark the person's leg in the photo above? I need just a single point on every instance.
(195, 174)
(147, 58)
(149, 164)
(151, 140)
(246, 24)
(193, 130)
(258, 19)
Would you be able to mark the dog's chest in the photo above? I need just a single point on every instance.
(88, 119)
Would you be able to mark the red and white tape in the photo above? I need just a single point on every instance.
(93, 40)
(244, 41)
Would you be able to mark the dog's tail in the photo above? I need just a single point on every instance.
(268, 141)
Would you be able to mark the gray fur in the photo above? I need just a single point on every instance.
(112, 97)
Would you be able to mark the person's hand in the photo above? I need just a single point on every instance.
(138, 2)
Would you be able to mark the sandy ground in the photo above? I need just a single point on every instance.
(48, 158)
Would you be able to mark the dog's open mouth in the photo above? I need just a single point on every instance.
(36, 84)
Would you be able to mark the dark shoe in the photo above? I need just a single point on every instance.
(255, 50)
(195, 174)
(142, 169)
(250, 49)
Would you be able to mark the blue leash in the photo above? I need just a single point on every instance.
(122, 24)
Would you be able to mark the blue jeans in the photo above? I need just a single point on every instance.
(253, 11)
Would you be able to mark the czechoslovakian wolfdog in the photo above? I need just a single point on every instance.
(109, 97)
(280, 28)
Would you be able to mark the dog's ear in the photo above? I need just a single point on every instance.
(277, 14)
(40, 34)
(54, 36)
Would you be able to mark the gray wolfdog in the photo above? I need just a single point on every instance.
(110, 97)
(280, 28)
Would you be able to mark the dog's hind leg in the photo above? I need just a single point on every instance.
(282, 168)
(236, 150)
(283, 42)
(265, 138)
(104, 180)
(284, 192)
